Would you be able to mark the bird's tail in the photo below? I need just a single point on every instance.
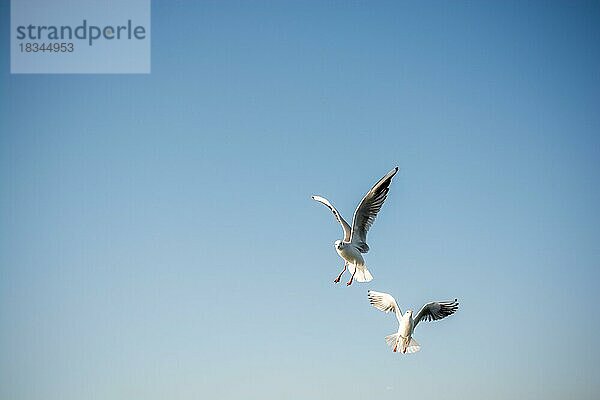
(392, 341)
(402, 344)
(412, 346)
(362, 273)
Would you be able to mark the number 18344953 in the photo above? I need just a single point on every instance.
(35, 47)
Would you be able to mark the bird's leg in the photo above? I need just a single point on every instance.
(336, 280)
(351, 278)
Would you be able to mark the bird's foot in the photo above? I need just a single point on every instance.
(336, 280)
(350, 281)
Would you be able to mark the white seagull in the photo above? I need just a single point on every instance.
(355, 237)
(430, 312)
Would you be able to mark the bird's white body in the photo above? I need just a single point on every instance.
(404, 335)
(349, 253)
(407, 325)
(354, 260)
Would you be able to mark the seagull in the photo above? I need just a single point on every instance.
(355, 237)
(430, 312)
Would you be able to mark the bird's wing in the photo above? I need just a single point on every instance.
(436, 310)
(384, 302)
(367, 211)
(337, 215)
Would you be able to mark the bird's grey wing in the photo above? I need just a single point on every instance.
(436, 310)
(337, 215)
(367, 211)
(384, 302)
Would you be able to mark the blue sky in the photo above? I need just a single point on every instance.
(158, 239)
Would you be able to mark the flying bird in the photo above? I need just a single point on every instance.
(406, 323)
(355, 237)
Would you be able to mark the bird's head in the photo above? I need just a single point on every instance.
(337, 244)
(409, 313)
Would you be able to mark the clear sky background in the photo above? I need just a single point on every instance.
(158, 240)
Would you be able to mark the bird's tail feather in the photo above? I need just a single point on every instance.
(399, 344)
(392, 340)
(362, 273)
(413, 346)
